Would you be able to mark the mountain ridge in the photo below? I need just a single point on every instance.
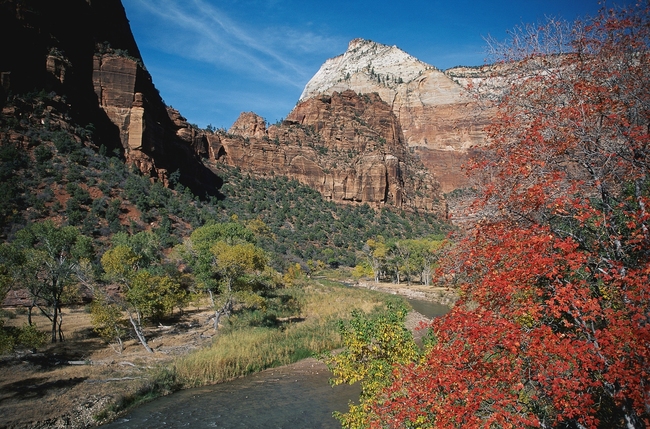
(440, 119)
(348, 164)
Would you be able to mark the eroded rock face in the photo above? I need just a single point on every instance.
(86, 52)
(437, 115)
(249, 125)
(349, 147)
(154, 138)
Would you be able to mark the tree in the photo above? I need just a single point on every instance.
(120, 264)
(376, 251)
(196, 250)
(222, 256)
(372, 345)
(232, 263)
(552, 328)
(106, 318)
(48, 264)
(425, 254)
(146, 292)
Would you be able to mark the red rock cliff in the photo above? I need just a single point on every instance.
(349, 147)
(85, 51)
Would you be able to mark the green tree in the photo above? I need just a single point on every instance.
(233, 263)
(376, 251)
(145, 294)
(106, 318)
(196, 250)
(49, 263)
(373, 345)
(425, 255)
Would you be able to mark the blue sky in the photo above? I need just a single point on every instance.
(213, 59)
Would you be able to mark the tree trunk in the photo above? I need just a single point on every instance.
(223, 311)
(217, 317)
(59, 323)
(139, 334)
(54, 324)
(119, 341)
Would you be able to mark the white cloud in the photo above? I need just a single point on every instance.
(197, 30)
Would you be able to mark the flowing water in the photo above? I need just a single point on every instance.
(296, 396)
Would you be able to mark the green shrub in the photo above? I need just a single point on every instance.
(30, 337)
(7, 341)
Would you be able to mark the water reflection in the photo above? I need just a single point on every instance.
(427, 308)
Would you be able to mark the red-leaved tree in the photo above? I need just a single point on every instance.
(553, 326)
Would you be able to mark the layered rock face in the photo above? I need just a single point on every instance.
(438, 117)
(352, 148)
(86, 51)
(347, 146)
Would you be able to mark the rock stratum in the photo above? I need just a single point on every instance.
(440, 120)
(85, 51)
(374, 125)
(347, 146)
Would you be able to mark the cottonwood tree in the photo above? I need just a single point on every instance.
(47, 264)
(233, 262)
(106, 318)
(227, 265)
(147, 292)
(376, 251)
(425, 255)
(372, 345)
(553, 326)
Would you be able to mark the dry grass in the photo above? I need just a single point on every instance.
(52, 388)
(238, 352)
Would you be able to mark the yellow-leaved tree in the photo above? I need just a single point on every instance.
(373, 345)
(146, 291)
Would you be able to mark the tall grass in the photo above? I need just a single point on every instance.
(240, 349)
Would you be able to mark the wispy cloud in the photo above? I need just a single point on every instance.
(206, 33)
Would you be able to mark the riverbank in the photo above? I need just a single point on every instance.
(83, 382)
(439, 295)
(68, 385)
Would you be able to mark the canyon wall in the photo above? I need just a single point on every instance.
(374, 125)
(85, 51)
(349, 147)
(439, 117)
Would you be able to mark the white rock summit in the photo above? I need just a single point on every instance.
(438, 118)
(368, 67)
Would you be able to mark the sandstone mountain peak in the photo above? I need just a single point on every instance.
(366, 62)
(439, 120)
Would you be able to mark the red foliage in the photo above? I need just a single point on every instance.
(553, 327)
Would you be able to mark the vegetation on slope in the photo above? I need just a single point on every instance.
(51, 170)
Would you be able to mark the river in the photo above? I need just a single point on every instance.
(296, 396)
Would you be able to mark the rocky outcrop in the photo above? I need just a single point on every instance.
(438, 117)
(351, 148)
(249, 125)
(156, 139)
(347, 146)
(86, 52)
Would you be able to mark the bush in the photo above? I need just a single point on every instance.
(7, 341)
(64, 144)
(30, 337)
(43, 154)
